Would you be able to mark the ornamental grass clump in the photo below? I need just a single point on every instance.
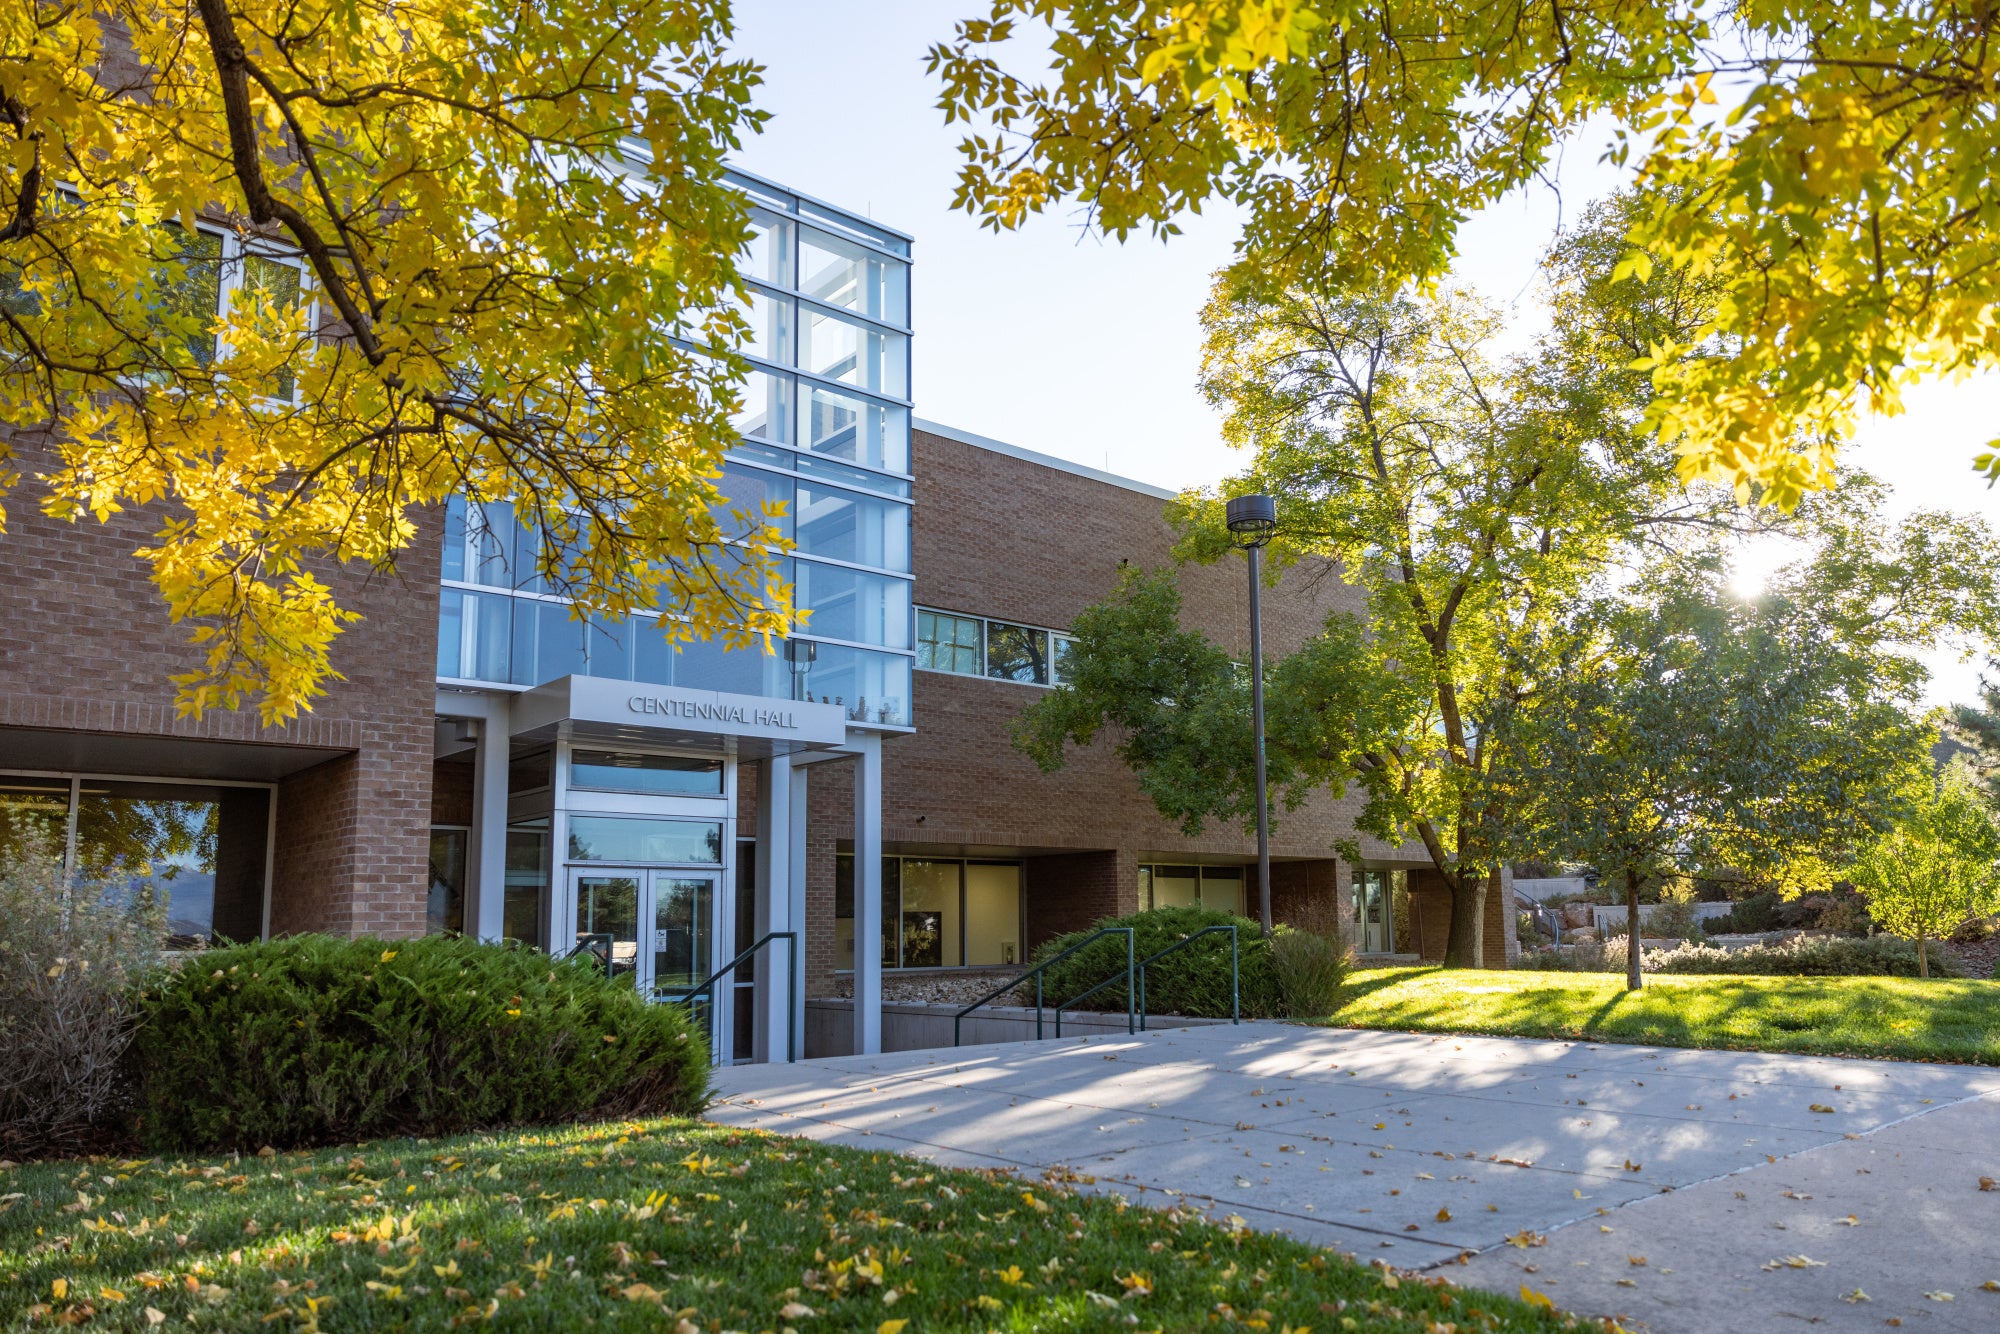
(314, 1039)
(73, 954)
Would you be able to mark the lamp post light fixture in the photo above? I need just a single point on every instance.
(1252, 519)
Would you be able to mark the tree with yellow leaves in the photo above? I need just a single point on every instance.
(289, 272)
(1828, 167)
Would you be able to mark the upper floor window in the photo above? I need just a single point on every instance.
(1017, 653)
(975, 646)
(947, 643)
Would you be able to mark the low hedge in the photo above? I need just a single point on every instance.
(1801, 956)
(1194, 981)
(316, 1039)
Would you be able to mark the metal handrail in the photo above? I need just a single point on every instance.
(1235, 992)
(1129, 991)
(706, 988)
(1036, 973)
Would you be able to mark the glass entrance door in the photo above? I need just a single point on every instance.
(676, 947)
(1374, 925)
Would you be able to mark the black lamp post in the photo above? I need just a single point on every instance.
(1253, 519)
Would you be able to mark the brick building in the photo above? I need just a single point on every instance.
(488, 764)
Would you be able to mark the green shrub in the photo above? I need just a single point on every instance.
(1310, 969)
(1193, 981)
(1749, 916)
(1801, 956)
(73, 954)
(312, 1039)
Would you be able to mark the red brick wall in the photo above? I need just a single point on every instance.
(85, 646)
(1068, 891)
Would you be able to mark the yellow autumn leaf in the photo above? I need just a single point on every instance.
(60, 1288)
(1538, 1300)
(1443, 1215)
(891, 1327)
(388, 955)
(639, 1292)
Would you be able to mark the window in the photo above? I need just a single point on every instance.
(766, 413)
(947, 643)
(527, 882)
(1017, 653)
(841, 273)
(199, 848)
(854, 605)
(858, 529)
(444, 904)
(618, 838)
(666, 775)
(1059, 659)
(936, 913)
(973, 646)
(860, 430)
(835, 347)
(1216, 888)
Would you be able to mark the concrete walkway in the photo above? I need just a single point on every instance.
(1676, 1190)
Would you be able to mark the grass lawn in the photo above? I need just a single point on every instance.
(1905, 1018)
(657, 1225)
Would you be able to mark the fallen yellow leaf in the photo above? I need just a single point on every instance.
(1444, 1215)
(1539, 1300)
(891, 1327)
(1819, 1107)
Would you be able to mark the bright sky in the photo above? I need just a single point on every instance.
(1055, 341)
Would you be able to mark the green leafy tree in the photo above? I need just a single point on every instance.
(1842, 202)
(1683, 728)
(1469, 498)
(1936, 868)
(291, 272)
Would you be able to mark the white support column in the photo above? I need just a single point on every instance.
(486, 851)
(795, 887)
(773, 911)
(867, 894)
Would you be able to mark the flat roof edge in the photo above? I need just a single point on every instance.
(1045, 460)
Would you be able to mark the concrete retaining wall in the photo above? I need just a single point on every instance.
(830, 1025)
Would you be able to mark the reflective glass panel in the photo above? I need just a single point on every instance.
(619, 771)
(749, 495)
(619, 838)
(843, 910)
(681, 908)
(527, 881)
(1176, 887)
(188, 287)
(548, 644)
(860, 430)
(199, 849)
(839, 348)
(929, 920)
(1059, 646)
(768, 255)
(852, 604)
(844, 525)
(992, 913)
(769, 316)
(276, 282)
(841, 273)
(474, 631)
(1017, 653)
(444, 904)
(766, 413)
(609, 905)
(872, 687)
(33, 811)
(948, 643)
(1222, 889)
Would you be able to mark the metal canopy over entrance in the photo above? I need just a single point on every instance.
(631, 794)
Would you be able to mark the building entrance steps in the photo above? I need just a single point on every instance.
(1672, 1189)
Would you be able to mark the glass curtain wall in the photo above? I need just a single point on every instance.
(936, 913)
(825, 419)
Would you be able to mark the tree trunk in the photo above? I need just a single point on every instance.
(1466, 945)
(1632, 951)
(1923, 961)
